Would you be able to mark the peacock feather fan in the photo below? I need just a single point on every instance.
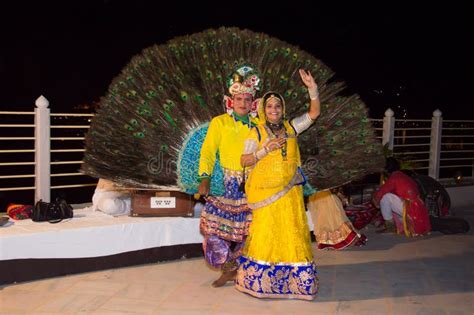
(149, 127)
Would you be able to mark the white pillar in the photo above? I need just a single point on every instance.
(388, 128)
(42, 150)
(435, 144)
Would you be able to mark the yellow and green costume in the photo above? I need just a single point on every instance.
(225, 219)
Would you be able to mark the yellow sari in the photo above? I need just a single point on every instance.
(277, 260)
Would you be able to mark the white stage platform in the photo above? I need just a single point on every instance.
(94, 234)
(95, 239)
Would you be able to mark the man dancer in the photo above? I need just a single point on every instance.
(225, 219)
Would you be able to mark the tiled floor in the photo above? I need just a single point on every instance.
(391, 275)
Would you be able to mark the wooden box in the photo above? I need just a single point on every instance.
(152, 203)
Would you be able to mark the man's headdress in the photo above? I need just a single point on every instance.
(244, 80)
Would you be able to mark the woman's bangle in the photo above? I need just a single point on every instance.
(313, 94)
(260, 154)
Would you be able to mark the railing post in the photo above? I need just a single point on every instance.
(42, 150)
(388, 128)
(435, 144)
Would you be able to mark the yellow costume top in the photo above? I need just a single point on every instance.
(226, 135)
(274, 175)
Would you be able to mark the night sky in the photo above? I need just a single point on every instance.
(70, 51)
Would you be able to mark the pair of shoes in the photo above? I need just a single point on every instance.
(226, 276)
(389, 227)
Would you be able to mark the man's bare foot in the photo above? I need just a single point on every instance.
(226, 276)
(388, 228)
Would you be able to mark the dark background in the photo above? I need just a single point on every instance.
(411, 59)
(394, 55)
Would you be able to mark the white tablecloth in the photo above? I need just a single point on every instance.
(94, 234)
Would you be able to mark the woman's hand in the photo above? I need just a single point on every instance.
(308, 80)
(275, 144)
(315, 105)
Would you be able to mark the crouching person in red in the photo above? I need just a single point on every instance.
(399, 201)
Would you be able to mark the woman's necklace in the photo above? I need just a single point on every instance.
(278, 131)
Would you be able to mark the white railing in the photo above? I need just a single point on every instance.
(7, 165)
(432, 145)
(14, 168)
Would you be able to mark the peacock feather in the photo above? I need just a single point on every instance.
(150, 125)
